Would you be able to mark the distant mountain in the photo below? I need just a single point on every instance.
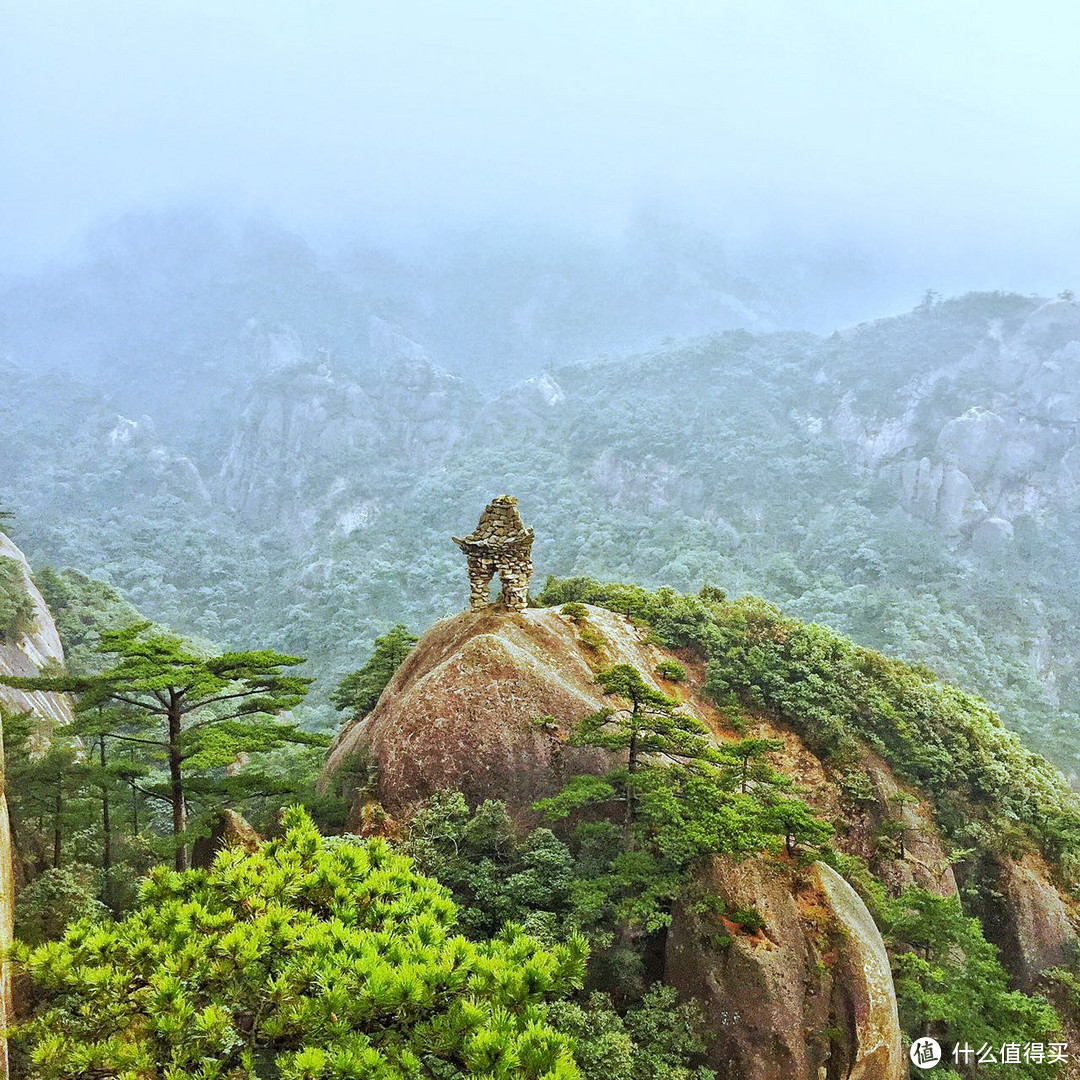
(911, 481)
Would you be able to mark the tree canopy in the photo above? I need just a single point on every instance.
(307, 959)
(199, 712)
(357, 693)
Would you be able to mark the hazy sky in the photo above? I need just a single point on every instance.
(944, 130)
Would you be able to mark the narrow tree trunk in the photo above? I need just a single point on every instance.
(58, 837)
(106, 828)
(176, 784)
(134, 795)
(631, 769)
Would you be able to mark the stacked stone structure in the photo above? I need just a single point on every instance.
(500, 544)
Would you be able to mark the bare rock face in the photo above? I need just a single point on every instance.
(230, 830)
(941, 494)
(1031, 924)
(863, 982)
(974, 442)
(37, 650)
(466, 711)
(905, 816)
(808, 995)
(313, 441)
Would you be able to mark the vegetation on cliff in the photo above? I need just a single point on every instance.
(16, 605)
(781, 474)
(985, 783)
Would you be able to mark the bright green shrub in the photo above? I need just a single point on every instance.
(308, 960)
(671, 670)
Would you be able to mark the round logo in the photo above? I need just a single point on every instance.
(925, 1053)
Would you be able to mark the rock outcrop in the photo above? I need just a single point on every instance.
(1027, 918)
(36, 650)
(230, 830)
(1010, 449)
(314, 441)
(806, 995)
(484, 702)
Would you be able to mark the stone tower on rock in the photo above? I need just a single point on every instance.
(500, 544)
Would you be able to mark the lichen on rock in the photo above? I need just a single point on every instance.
(809, 994)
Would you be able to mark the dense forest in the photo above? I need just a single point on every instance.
(853, 560)
(296, 490)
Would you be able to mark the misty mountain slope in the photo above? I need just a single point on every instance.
(210, 301)
(908, 481)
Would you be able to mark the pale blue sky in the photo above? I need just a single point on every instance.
(951, 126)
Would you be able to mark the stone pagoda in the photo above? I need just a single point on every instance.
(501, 545)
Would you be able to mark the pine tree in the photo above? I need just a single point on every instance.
(685, 796)
(358, 693)
(304, 959)
(752, 765)
(653, 726)
(199, 712)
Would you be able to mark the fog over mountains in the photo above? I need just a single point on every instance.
(256, 443)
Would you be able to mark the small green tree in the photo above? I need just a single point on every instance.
(357, 693)
(671, 670)
(653, 725)
(751, 762)
(307, 959)
(198, 712)
(660, 1037)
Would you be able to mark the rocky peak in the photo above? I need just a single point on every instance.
(318, 445)
(980, 432)
(484, 704)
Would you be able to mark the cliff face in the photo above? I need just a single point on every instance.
(810, 994)
(33, 651)
(975, 440)
(316, 445)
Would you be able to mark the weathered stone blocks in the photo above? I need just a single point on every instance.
(500, 544)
